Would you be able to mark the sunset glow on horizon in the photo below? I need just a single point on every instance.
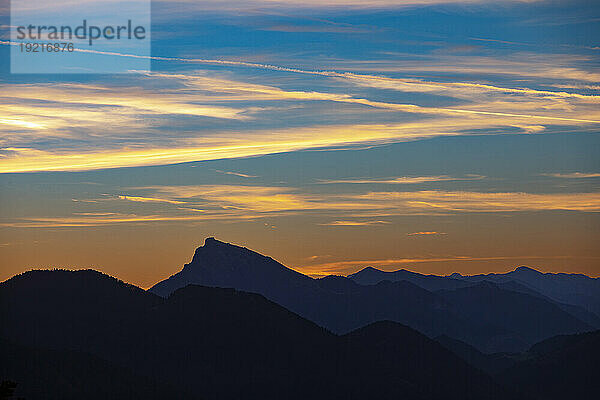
(436, 136)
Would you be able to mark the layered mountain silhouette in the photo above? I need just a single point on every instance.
(574, 293)
(236, 324)
(372, 276)
(530, 318)
(80, 328)
(494, 317)
(575, 289)
(493, 364)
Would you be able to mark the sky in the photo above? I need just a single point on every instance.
(435, 136)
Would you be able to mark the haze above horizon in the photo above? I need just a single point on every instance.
(436, 136)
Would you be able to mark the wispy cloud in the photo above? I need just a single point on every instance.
(31, 116)
(392, 264)
(355, 223)
(286, 199)
(96, 220)
(57, 106)
(498, 108)
(574, 175)
(204, 203)
(558, 67)
(315, 28)
(252, 199)
(523, 64)
(245, 144)
(277, 4)
(485, 202)
(426, 233)
(253, 5)
(458, 89)
(236, 174)
(403, 180)
(149, 199)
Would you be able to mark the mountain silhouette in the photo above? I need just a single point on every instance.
(214, 343)
(221, 264)
(403, 302)
(36, 299)
(575, 289)
(528, 319)
(371, 276)
(335, 303)
(341, 304)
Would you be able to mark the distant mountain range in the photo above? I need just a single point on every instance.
(494, 317)
(66, 333)
(575, 289)
(576, 294)
(236, 324)
(568, 289)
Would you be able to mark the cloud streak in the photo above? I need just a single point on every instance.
(239, 174)
(392, 264)
(275, 199)
(58, 113)
(574, 175)
(149, 200)
(61, 115)
(355, 223)
(235, 145)
(205, 203)
(404, 180)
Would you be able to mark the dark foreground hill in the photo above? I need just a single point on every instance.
(492, 364)
(74, 375)
(495, 322)
(208, 343)
(563, 367)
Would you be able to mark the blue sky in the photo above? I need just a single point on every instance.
(433, 136)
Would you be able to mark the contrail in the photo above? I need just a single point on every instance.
(345, 75)
(335, 74)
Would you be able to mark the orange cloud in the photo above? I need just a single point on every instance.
(237, 202)
(405, 180)
(575, 175)
(350, 266)
(149, 200)
(355, 223)
(426, 233)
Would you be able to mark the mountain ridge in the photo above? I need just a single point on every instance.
(341, 304)
(216, 343)
(583, 300)
(573, 289)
